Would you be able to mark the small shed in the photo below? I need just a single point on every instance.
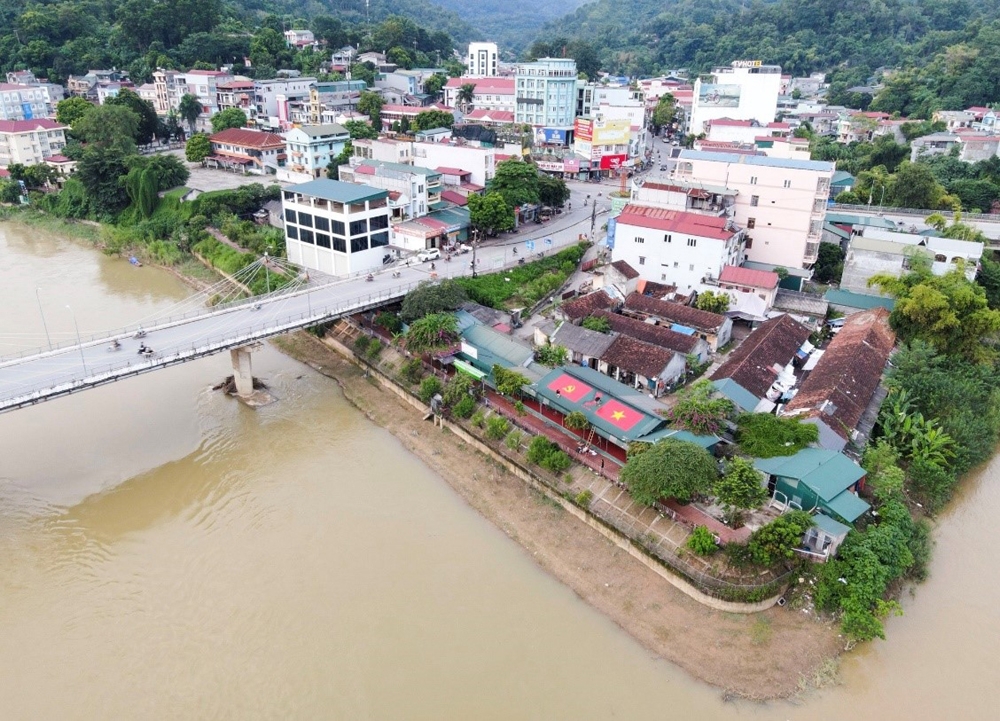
(816, 479)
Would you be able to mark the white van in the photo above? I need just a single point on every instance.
(430, 254)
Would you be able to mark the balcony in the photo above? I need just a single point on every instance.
(812, 252)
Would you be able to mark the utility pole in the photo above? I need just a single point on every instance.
(79, 342)
(267, 274)
(44, 325)
(593, 219)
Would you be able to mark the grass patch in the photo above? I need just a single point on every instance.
(761, 631)
(527, 283)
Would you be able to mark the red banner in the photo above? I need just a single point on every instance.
(619, 415)
(612, 162)
(569, 388)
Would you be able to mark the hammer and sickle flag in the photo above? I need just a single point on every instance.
(570, 388)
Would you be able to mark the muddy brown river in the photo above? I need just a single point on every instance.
(166, 553)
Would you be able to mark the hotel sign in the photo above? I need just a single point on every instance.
(746, 63)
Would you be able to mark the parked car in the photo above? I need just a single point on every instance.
(430, 254)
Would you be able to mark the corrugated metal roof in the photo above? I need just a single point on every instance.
(836, 296)
(763, 160)
(827, 473)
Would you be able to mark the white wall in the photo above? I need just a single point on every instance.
(481, 162)
(758, 97)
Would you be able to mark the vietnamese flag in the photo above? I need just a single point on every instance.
(569, 388)
(619, 415)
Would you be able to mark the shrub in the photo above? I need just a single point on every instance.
(597, 323)
(497, 427)
(546, 454)
(513, 440)
(361, 344)
(519, 408)
(374, 349)
(557, 461)
(389, 321)
(762, 435)
(412, 370)
(778, 540)
(464, 408)
(550, 355)
(479, 418)
(701, 541)
(583, 498)
(429, 387)
(699, 410)
(460, 386)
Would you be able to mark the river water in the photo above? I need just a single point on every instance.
(168, 553)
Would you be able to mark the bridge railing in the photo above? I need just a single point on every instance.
(27, 393)
(916, 212)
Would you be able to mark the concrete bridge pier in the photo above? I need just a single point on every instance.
(243, 371)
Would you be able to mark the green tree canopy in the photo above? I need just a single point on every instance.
(428, 298)
(701, 409)
(228, 118)
(148, 120)
(713, 302)
(508, 382)
(490, 213)
(552, 191)
(741, 486)
(189, 108)
(665, 111)
(198, 148)
(430, 119)
(108, 125)
(371, 104)
(516, 181)
(670, 469)
(360, 129)
(70, 110)
(778, 539)
(432, 331)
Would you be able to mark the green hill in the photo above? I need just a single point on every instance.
(512, 24)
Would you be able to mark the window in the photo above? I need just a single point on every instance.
(290, 215)
(322, 240)
(754, 199)
(691, 267)
(305, 219)
(337, 227)
(359, 227)
(749, 242)
(753, 180)
(640, 240)
(380, 239)
(322, 224)
(676, 264)
(359, 244)
(667, 238)
(292, 232)
(306, 236)
(692, 242)
(379, 222)
(751, 222)
(642, 260)
(788, 183)
(339, 244)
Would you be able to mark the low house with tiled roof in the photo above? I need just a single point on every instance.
(249, 151)
(756, 363)
(842, 393)
(762, 283)
(641, 365)
(576, 309)
(585, 347)
(490, 93)
(675, 246)
(619, 275)
(482, 116)
(713, 328)
(658, 335)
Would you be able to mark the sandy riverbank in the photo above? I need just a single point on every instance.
(768, 655)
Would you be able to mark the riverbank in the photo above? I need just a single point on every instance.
(773, 654)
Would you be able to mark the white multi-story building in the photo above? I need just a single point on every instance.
(204, 85)
(480, 162)
(30, 142)
(590, 96)
(299, 38)
(780, 202)
(413, 191)
(490, 93)
(24, 102)
(387, 150)
(481, 61)
(744, 131)
(312, 147)
(336, 228)
(747, 90)
(271, 99)
(546, 99)
(676, 247)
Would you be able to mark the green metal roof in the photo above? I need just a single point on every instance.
(827, 473)
(848, 506)
(739, 395)
(830, 525)
(857, 300)
(842, 177)
(850, 219)
(493, 348)
(337, 191)
(839, 232)
(401, 168)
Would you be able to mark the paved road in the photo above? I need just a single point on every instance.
(47, 374)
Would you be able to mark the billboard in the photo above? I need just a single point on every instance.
(612, 162)
(611, 132)
(583, 129)
(712, 95)
(550, 136)
(556, 167)
(571, 166)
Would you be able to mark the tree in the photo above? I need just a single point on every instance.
(596, 323)
(830, 263)
(670, 469)
(466, 94)
(701, 410)
(189, 108)
(576, 421)
(763, 435)
(989, 278)
(552, 191)
(551, 355)
(371, 104)
(148, 120)
(436, 330)
(740, 487)
(430, 119)
(516, 181)
(433, 84)
(948, 311)
(778, 540)
(343, 158)
(428, 298)
(490, 213)
(712, 302)
(109, 126)
(70, 110)
(198, 148)
(508, 382)
(914, 186)
(360, 129)
(665, 112)
(228, 118)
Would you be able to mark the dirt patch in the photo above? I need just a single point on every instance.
(768, 655)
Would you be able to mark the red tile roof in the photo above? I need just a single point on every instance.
(840, 387)
(215, 73)
(587, 304)
(635, 356)
(675, 221)
(625, 269)
(26, 126)
(452, 197)
(248, 138)
(453, 171)
(57, 159)
(4, 173)
(496, 86)
(675, 313)
(748, 276)
(761, 356)
(658, 335)
(491, 116)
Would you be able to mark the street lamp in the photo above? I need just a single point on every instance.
(881, 199)
(79, 342)
(46, 327)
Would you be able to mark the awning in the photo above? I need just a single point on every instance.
(847, 505)
(469, 369)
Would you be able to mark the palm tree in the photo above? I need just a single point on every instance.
(189, 109)
(466, 93)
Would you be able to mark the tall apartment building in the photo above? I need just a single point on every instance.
(24, 102)
(481, 61)
(30, 142)
(546, 98)
(746, 90)
(336, 228)
(312, 147)
(271, 99)
(780, 202)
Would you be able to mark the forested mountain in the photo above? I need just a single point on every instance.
(949, 46)
(56, 39)
(512, 24)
